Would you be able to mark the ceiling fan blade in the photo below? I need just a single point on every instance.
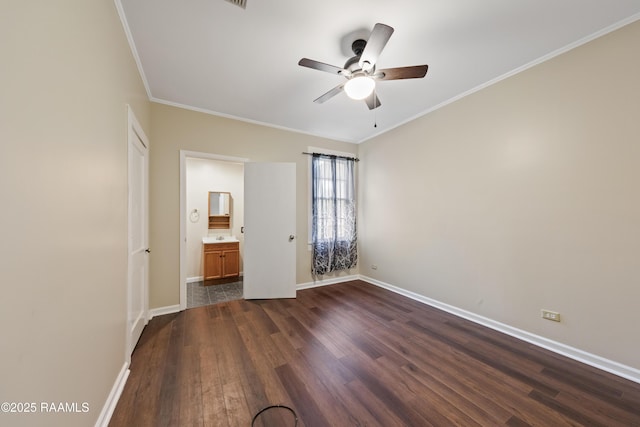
(377, 41)
(372, 101)
(333, 92)
(310, 63)
(413, 72)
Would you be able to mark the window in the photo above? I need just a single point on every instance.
(333, 224)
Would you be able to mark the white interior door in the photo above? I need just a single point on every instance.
(137, 300)
(269, 227)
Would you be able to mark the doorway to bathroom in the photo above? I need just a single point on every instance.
(269, 266)
(212, 214)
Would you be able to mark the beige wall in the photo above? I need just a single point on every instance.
(203, 176)
(174, 129)
(523, 196)
(67, 75)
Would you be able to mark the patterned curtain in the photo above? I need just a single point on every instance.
(334, 237)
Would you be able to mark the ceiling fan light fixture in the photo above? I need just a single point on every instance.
(359, 87)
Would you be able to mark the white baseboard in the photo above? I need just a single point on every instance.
(325, 282)
(163, 310)
(114, 396)
(596, 361)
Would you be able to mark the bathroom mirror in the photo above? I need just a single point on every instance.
(219, 209)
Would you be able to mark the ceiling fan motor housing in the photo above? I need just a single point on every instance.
(352, 63)
(358, 46)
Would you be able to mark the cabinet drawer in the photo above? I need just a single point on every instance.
(214, 247)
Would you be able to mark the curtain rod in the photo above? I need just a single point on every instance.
(333, 156)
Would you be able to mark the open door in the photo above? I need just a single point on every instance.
(269, 227)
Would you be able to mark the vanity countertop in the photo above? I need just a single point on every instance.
(213, 239)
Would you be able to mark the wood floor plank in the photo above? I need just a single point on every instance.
(331, 338)
(384, 415)
(384, 391)
(441, 369)
(213, 405)
(481, 411)
(235, 401)
(273, 391)
(509, 393)
(191, 406)
(321, 382)
(170, 395)
(593, 408)
(353, 354)
(495, 363)
(280, 317)
(334, 377)
(303, 400)
(143, 384)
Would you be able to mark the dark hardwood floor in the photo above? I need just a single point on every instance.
(353, 354)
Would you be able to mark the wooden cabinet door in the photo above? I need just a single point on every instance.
(212, 264)
(221, 260)
(231, 263)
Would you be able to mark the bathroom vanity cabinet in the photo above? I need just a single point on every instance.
(221, 260)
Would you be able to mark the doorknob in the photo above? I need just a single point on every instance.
(291, 237)
(148, 250)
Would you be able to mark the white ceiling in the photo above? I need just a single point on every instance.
(213, 56)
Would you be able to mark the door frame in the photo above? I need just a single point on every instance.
(184, 155)
(134, 133)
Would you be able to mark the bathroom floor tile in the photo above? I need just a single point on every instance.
(199, 295)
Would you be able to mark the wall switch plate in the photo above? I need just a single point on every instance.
(551, 315)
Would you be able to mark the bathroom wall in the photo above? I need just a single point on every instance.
(204, 175)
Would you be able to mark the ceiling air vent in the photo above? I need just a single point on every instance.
(241, 3)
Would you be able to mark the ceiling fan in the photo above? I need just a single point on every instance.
(360, 70)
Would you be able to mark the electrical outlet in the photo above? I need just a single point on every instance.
(551, 315)
(374, 266)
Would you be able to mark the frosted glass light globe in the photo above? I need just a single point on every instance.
(359, 87)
